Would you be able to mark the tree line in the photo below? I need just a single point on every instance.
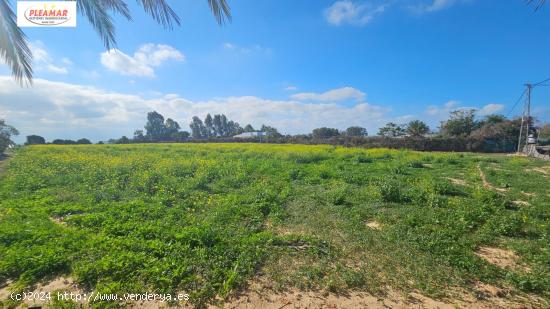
(462, 126)
(159, 129)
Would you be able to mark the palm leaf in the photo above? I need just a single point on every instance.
(97, 13)
(161, 12)
(15, 51)
(13, 46)
(538, 3)
(221, 10)
(118, 6)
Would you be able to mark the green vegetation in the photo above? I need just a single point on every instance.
(206, 218)
(6, 133)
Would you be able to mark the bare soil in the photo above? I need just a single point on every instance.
(544, 170)
(59, 284)
(483, 296)
(521, 203)
(456, 181)
(503, 258)
(260, 295)
(374, 225)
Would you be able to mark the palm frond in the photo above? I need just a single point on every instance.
(97, 13)
(161, 12)
(118, 6)
(14, 49)
(221, 10)
(538, 3)
(15, 52)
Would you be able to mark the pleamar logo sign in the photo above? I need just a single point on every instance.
(46, 13)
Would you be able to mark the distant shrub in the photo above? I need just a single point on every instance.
(390, 191)
(363, 159)
(307, 158)
(416, 164)
(399, 170)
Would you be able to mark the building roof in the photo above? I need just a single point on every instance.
(249, 134)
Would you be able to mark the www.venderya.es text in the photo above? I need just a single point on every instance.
(98, 297)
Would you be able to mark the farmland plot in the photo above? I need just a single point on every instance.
(216, 220)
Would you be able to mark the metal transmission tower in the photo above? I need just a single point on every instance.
(526, 116)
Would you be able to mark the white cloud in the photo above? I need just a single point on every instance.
(361, 12)
(143, 62)
(490, 109)
(66, 61)
(44, 62)
(439, 112)
(434, 6)
(439, 5)
(245, 49)
(334, 95)
(349, 12)
(229, 46)
(442, 112)
(291, 88)
(62, 110)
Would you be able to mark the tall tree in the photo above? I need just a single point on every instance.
(356, 131)
(6, 133)
(224, 127)
(270, 131)
(491, 119)
(417, 128)
(197, 128)
(217, 125)
(15, 52)
(460, 123)
(391, 130)
(234, 128)
(155, 129)
(209, 125)
(171, 130)
(249, 128)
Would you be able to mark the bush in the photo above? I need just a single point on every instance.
(390, 191)
(35, 140)
(6, 132)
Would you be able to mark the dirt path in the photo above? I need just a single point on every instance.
(487, 184)
(3, 161)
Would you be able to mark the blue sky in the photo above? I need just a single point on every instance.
(294, 64)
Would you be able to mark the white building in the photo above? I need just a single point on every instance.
(250, 135)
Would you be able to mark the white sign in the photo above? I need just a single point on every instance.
(46, 13)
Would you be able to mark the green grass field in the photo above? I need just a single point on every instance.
(208, 218)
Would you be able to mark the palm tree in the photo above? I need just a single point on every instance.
(417, 128)
(15, 51)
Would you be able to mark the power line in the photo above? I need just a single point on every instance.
(540, 83)
(518, 100)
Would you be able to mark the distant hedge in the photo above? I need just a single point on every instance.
(457, 144)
